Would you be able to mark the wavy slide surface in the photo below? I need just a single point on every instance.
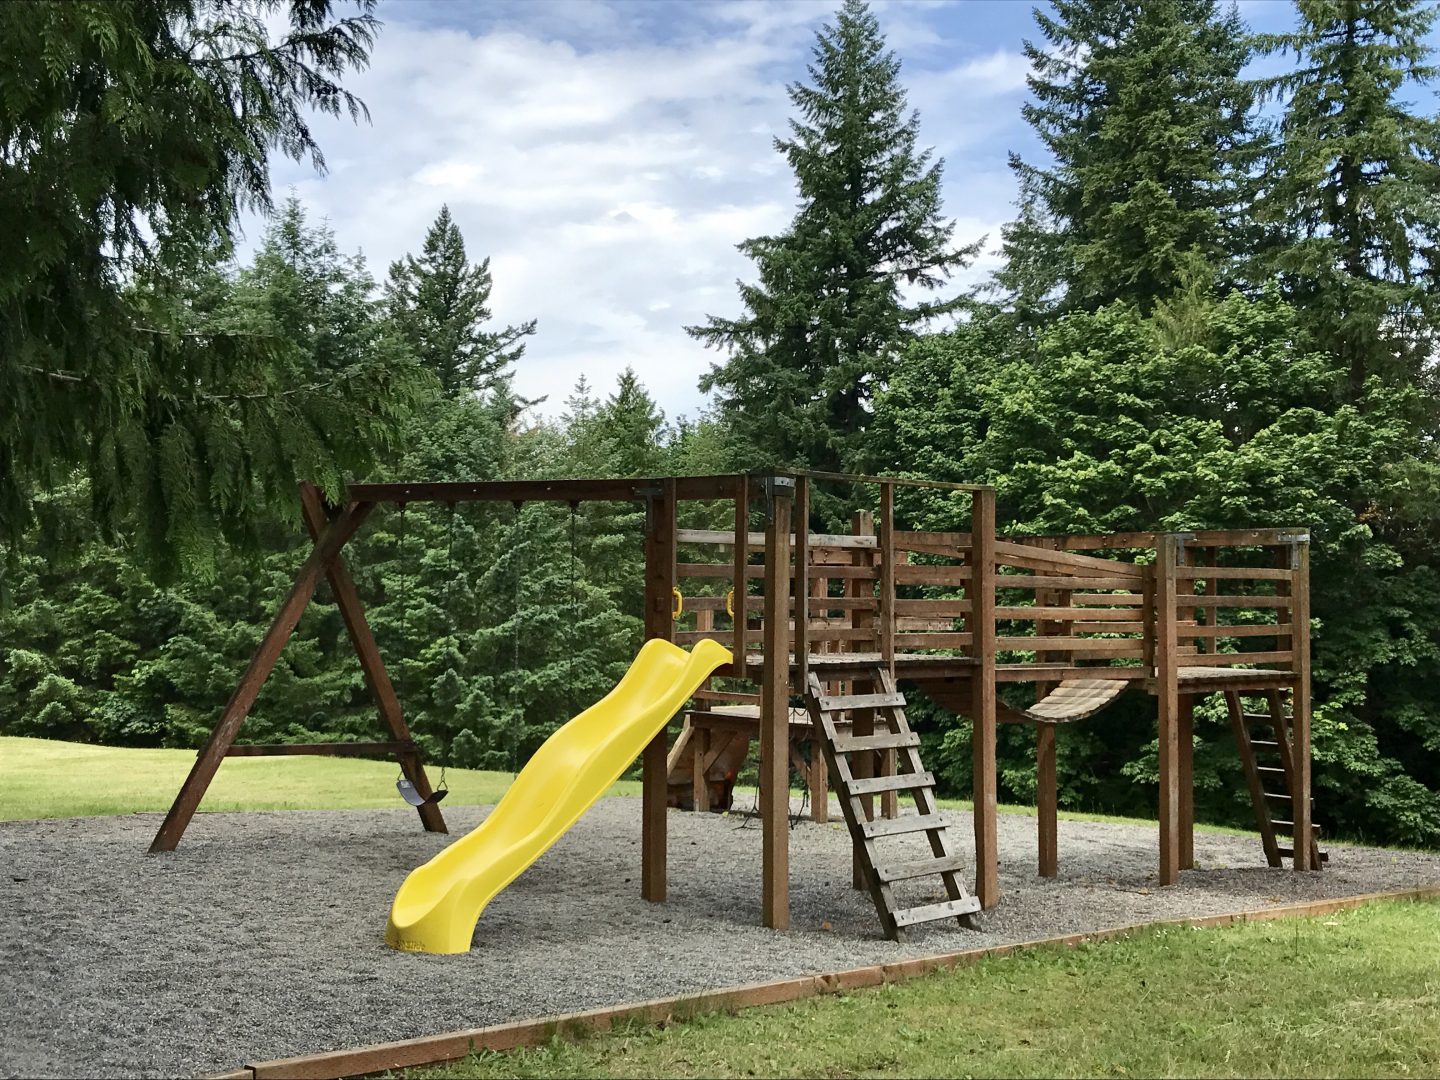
(437, 907)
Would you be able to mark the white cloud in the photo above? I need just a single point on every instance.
(609, 181)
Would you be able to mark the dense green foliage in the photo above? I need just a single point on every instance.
(1142, 109)
(1216, 310)
(131, 136)
(821, 326)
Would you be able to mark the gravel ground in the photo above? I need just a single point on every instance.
(262, 936)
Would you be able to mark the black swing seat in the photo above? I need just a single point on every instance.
(414, 798)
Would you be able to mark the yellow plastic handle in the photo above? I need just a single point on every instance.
(679, 608)
(730, 603)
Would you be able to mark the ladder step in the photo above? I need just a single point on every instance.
(1259, 718)
(853, 744)
(1314, 829)
(870, 785)
(946, 909)
(1265, 743)
(922, 868)
(910, 823)
(1284, 797)
(843, 702)
(1276, 769)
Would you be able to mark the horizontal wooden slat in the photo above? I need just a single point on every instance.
(888, 741)
(946, 909)
(919, 540)
(1056, 672)
(1220, 659)
(731, 696)
(1049, 581)
(324, 749)
(1097, 645)
(841, 603)
(909, 823)
(1277, 630)
(912, 574)
(1232, 573)
(690, 637)
(1063, 614)
(1106, 599)
(726, 538)
(715, 570)
(873, 785)
(952, 608)
(908, 871)
(1234, 601)
(840, 634)
(934, 640)
(1112, 627)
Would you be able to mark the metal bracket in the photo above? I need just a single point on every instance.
(649, 494)
(777, 485)
(1294, 538)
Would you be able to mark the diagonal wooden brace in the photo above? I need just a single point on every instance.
(267, 653)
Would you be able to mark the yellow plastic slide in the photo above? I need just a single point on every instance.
(437, 907)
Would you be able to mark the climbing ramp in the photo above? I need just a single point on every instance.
(1266, 752)
(877, 725)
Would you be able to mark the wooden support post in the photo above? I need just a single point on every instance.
(741, 582)
(886, 601)
(699, 775)
(1301, 840)
(267, 653)
(890, 800)
(1185, 737)
(372, 665)
(775, 714)
(819, 767)
(801, 589)
(1047, 795)
(659, 592)
(862, 721)
(982, 601)
(1047, 800)
(1167, 695)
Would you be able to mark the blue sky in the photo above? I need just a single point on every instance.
(608, 156)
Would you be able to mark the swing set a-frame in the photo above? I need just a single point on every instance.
(847, 621)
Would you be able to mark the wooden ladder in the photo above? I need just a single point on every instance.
(843, 753)
(1266, 753)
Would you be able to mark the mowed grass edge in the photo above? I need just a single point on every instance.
(43, 778)
(1351, 994)
(47, 778)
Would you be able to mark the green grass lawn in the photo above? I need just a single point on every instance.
(40, 778)
(1354, 994)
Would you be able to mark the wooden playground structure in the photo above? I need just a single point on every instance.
(846, 622)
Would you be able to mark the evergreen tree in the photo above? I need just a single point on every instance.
(828, 313)
(1141, 106)
(440, 304)
(1353, 185)
(134, 135)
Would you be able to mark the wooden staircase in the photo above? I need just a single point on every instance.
(1265, 752)
(877, 725)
